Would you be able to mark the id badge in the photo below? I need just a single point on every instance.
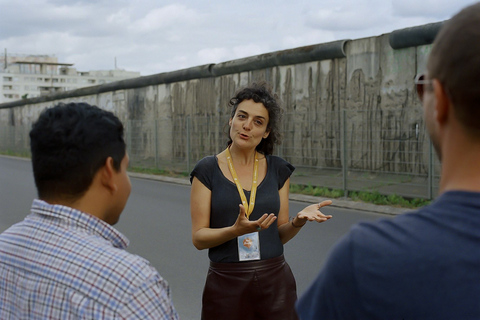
(249, 247)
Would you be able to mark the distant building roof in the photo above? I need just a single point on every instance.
(45, 63)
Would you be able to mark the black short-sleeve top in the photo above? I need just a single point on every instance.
(225, 200)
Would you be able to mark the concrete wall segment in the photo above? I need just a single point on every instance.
(367, 77)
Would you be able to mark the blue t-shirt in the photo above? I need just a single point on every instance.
(419, 265)
(225, 200)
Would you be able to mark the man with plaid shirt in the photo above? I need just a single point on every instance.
(65, 260)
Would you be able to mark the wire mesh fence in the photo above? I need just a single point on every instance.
(15, 140)
(376, 151)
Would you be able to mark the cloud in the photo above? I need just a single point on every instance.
(37, 16)
(119, 18)
(169, 16)
(249, 50)
(222, 54)
(349, 16)
(437, 9)
(213, 55)
(308, 38)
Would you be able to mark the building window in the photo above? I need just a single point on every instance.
(30, 68)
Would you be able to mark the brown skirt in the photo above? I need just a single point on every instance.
(263, 289)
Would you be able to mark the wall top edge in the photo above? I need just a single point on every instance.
(414, 36)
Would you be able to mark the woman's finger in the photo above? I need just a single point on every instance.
(324, 203)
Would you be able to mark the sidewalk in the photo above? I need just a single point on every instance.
(339, 203)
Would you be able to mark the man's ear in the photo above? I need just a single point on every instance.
(230, 122)
(442, 102)
(107, 175)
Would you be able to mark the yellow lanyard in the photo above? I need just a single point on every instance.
(253, 192)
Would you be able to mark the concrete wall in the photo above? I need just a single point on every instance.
(370, 78)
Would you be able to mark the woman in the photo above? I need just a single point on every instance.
(239, 209)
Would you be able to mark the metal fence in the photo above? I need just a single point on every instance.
(15, 140)
(377, 151)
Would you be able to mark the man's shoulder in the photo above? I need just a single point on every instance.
(98, 249)
(450, 214)
(75, 258)
(119, 261)
(390, 230)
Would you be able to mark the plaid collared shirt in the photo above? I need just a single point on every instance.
(60, 263)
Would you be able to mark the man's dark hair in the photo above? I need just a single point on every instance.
(455, 62)
(261, 92)
(69, 143)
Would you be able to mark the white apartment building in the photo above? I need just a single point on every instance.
(30, 76)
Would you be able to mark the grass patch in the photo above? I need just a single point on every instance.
(160, 172)
(388, 200)
(15, 154)
(316, 191)
(368, 197)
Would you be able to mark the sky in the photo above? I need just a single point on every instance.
(156, 36)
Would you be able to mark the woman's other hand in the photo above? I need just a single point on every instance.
(312, 213)
(244, 226)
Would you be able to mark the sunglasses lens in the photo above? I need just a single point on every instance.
(419, 87)
(420, 91)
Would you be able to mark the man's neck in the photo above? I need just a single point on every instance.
(88, 203)
(460, 165)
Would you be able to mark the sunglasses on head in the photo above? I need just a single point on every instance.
(421, 83)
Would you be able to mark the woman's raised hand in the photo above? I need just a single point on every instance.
(313, 213)
(243, 225)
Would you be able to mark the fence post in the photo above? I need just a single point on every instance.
(188, 143)
(430, 171)
(129, 138)
(13, 136)
(155, 122)
(344, 153)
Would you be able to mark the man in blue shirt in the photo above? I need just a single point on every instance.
(424, 264)
(65, 260)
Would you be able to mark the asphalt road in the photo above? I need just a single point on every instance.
(157, 222)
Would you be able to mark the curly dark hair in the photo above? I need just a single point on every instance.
(261, 92)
